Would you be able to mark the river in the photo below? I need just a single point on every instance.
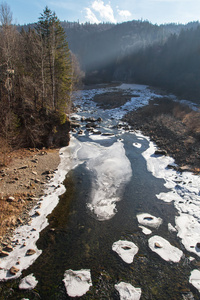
(116, 222)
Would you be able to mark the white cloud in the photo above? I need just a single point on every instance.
(105, 11)
(90, 16)
(124, 13)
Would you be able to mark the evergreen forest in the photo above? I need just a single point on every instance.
(165, 56)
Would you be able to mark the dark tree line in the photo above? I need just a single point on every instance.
(174, 65)
(165, 56)
(37, 75)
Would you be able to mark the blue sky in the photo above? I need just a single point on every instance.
(115, 11)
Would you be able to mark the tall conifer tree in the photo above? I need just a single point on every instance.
(57, 60)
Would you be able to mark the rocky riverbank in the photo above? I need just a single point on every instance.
(174, 127)
(22, 183)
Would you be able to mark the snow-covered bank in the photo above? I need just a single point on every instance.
(25, 251)
(184, 191)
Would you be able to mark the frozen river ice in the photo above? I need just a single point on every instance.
(115, 223)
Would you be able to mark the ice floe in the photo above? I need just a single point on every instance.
(77, 283)
(28, 283)
(149, 220)
(126, 250)
(145, 230)
(189, 231)
(163, 248)
(195, 279)
(127, 291)
(137, 145)
(111, 170)
(171, 228)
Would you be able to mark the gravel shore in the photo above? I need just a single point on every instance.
(22, 183)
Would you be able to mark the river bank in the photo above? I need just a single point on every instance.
(172, 125)
(109, 178)
(169, 124)
(22, 183)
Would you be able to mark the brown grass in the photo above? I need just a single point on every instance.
(190, 118)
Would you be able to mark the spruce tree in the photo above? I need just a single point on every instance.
(57, 68)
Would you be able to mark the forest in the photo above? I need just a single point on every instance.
(38, 74)
(165, 56)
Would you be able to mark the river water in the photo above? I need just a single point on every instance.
(110, 189)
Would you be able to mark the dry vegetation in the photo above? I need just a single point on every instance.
(174, 127)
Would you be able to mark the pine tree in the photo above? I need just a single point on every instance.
(57, 67)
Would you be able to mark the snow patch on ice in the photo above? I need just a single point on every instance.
(111, 171)
(149, 220)
(145, 230)
(137, 145)
(126, 250)
(195, 279)
(163, 248)
(127, 291)
(77, 283)
(28, 283)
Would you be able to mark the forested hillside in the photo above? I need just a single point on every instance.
(37, 76)
(174, 65)
(165, 56)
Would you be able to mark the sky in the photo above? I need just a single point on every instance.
(114, 11)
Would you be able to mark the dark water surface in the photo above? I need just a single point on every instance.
(76, 240)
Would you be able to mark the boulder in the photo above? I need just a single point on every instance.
(30, 252)
(75, 125)
(90, 120)
(8, 248)
(10, 199)
(14, 270)
(157, 245)
(98, 132)
(91, 124)
(198, 245)
(4, 253)
(23, 167)
(160, 152)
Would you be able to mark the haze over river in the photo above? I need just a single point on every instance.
(116, 222)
